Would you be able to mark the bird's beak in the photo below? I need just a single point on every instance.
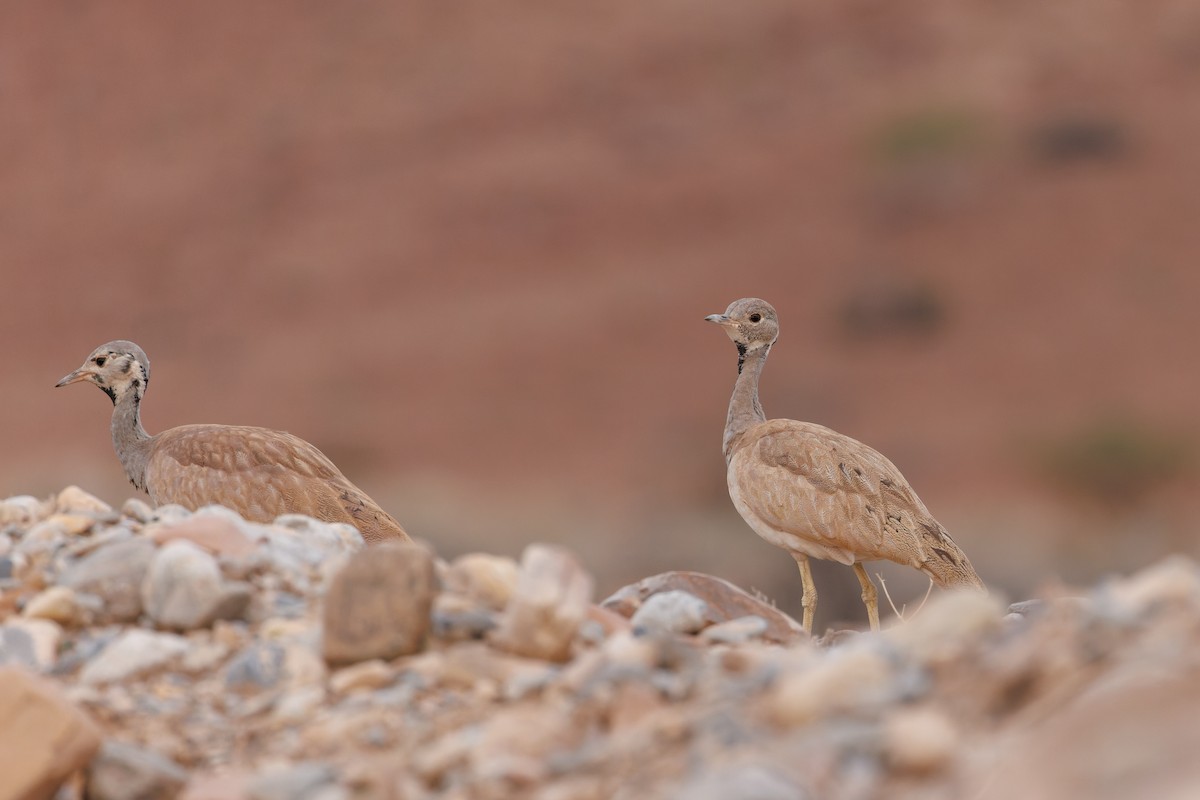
(81, 374)
(720, 319)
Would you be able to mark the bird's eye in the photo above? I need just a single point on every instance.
(99, 360)
(756, 317)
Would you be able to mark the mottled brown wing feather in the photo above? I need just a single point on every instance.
(260, 474)
(845, 498)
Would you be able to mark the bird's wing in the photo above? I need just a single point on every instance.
(261, 474)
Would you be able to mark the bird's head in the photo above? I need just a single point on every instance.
(117, 368)
(751, 323)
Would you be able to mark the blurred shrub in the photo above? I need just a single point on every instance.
(926, 134)
(892, 308)
(1078, 139)
(1116, 461)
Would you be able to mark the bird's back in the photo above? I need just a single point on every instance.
(810, 489)
(261, 474)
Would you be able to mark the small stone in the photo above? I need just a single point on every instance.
(457, 618)
(671, 612)
(204, 657)
(1172, 580)
(44, 738)
(549, 604)
(918, 740)
(295, 782)
(182, 589)
(31, 643)
(365, 675)
(748, 781)
(846, 678)
(74, 500)
(949, 624)
(216, 534)
(378, 605)
(488, 580)
(298, 705)
(114, 574)
(125, 772)
(60, 604)
(138, 510)
(259, 666)
(72, 524)
(22, 511)
(736, 631)
(134, 652)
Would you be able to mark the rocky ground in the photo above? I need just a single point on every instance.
(160, 653)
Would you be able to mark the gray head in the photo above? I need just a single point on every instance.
(117, 368)
(751, 323)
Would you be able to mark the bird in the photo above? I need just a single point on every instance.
(818, 493)
(259, 473)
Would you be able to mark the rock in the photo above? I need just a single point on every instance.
(743, 781)
(73, 500)
(259, 666)
(550, 602)
(43, 737)
(457, 618)
(114, 574)
(488, 580)
(378, 605)
(125, 772)
(1175, 580)
(133, 653)
(137, 510)
(919, 740)
(674, 611)
(22, 511)
(32, 643)
(725, 602)
(60, 604)
(214, 533)
(365, 675)
(736, 631)
(182, 589)
(845, 678)
(950, 622)
(304, 781)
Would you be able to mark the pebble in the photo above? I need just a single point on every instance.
(549, 604)
(919, 740)
(301, 781)
(138, 510)
(671, 612)
(125, 772)
(22, 511)
(846, 678)
(75, 500)
(486, 579)
(736, 631)
(214, 533)
(60, 604)
(182, 589)
(114, 574)
(378, 605)
(257, 667)
(31, 643)
(134, 652)
(365, 675)
(948, 624)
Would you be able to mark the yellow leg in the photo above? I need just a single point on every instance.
(810, 591)
(869, 597)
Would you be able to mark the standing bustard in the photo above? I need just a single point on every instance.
(257, 472)
(817, 493)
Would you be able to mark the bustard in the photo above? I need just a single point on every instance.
(817, 493)
(257, 472)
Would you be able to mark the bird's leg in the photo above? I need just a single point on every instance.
(809, 602)
(869, 597)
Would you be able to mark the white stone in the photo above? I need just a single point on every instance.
(675, 611)
(75, 500)
(182, 589)
(58, 603)
(132, 653)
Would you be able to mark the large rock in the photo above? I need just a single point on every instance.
(378, 605)
(724, 600)
(114, 574)
(551, 600)
(43, 737)
(124, 772)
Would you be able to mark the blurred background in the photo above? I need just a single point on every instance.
(467, 251)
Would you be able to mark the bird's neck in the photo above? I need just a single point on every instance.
(745, 410)
(130, 439)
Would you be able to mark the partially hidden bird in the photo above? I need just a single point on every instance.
(818, 493)
(257, 472)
